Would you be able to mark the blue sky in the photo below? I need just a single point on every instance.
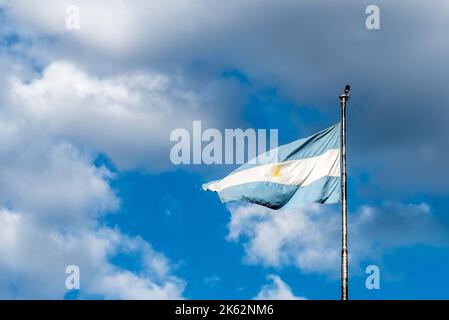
(85, 120)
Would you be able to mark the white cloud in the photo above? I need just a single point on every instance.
(126, 285)
(276, 290)
(111, 26)
(55, 184)
(310, 238)
(54, 196)
(276, 238)
(128, 117)
(33, 258)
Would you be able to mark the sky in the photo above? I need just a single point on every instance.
(86, 178)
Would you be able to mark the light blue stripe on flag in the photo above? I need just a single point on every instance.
(296, 174)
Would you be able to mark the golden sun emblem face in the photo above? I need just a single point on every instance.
(276, 171)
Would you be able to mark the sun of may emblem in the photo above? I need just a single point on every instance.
(276, 171)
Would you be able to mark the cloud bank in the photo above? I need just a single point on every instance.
(310, 239)
(276, 290)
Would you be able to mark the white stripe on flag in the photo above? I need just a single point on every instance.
(299, 172)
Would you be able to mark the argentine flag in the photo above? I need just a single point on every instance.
(292, 175)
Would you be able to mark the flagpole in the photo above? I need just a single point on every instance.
(344, 97)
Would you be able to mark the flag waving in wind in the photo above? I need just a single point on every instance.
(292, 175)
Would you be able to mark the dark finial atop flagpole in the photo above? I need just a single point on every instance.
(346, 92)
(344, 97)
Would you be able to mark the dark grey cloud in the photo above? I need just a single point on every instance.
(398, 116)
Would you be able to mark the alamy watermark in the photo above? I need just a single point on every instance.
(72, 20)
(72, 281)
(236, 146)
(372, 282)
(372, 22)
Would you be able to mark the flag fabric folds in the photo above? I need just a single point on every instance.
(293, 175)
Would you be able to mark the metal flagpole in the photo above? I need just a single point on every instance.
(344, 97)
